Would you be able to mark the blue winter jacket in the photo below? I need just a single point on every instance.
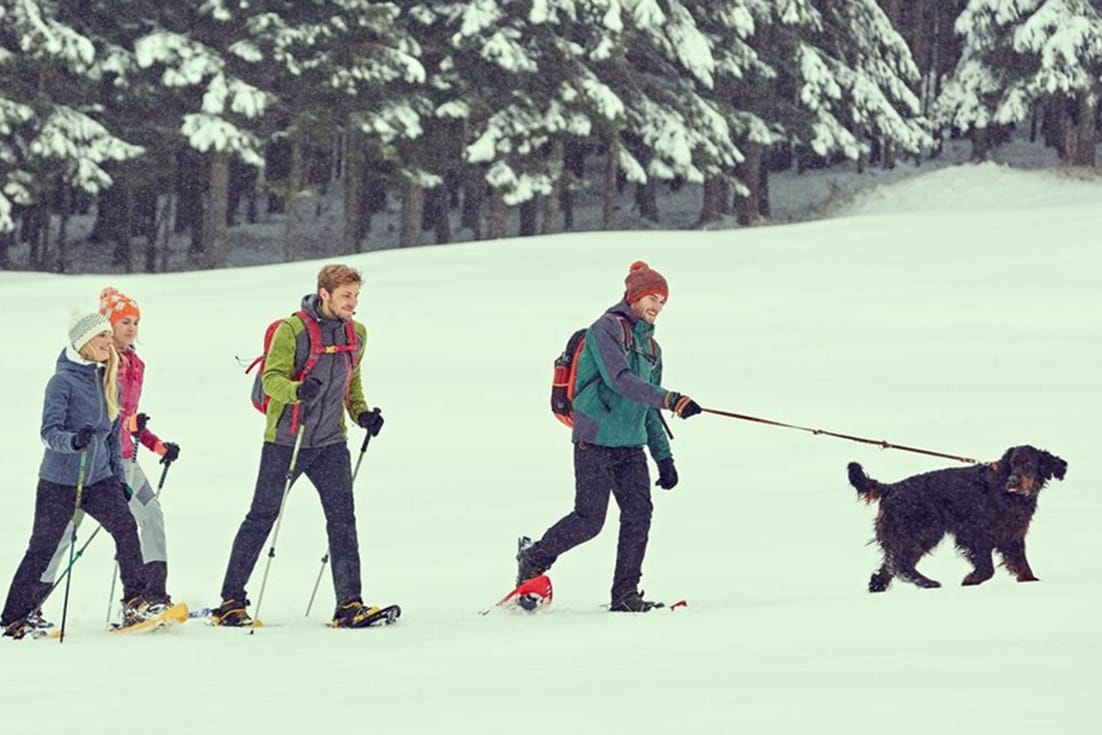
(74, 399)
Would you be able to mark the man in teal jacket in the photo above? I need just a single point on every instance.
(616, 412)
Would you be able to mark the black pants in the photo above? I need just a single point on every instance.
(53, 509)
(329, 469)
(598, 471)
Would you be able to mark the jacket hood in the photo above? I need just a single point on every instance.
(71, 361)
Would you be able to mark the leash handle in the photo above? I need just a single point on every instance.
(849, 437)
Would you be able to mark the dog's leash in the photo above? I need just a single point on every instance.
(878, 442)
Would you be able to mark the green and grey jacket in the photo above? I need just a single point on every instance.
(618, 386)
(340, 379)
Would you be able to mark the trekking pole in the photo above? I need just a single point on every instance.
(73, 541)
(137, 424)
(95, 532)
(325, 558)
(275, 532)
(878, 442)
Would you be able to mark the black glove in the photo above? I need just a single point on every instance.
(309, 390)
(172, 451)
(371, 420)
(684, 406)
(667, 474)
(83, 437)
(126, 490)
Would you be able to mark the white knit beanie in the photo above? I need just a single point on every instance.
(84, 326)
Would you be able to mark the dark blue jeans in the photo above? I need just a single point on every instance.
(53, 509)
(599, 472)
(329, 469)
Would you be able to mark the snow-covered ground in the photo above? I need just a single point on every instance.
(956, 311)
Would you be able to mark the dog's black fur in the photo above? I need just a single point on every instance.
(985, 507)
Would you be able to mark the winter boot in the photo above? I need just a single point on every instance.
(634, 603)
(526, 567)
(353, 614)
(16, 629)
(231, 613)
(37, 620)
(136, 610)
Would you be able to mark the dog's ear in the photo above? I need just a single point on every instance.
(1053, 466)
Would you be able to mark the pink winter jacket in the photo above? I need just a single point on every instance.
(131, 375)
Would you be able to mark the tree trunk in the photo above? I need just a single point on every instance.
(529, 211)
(764, 207)
(413, 202)
(110, 209)
(747, 209)
(354, 168)
(552, 202)
(646, 199)
(215, 202)
(1055, 125)
(436, 214)
(612, 189)
(5, 252)
(124, 228)
(887, 155)
(980, 144)
(1084, 134)
(292, 249)
(499, 215)
(709, 201)
(165, 236)
(573, 172)
(470, 212)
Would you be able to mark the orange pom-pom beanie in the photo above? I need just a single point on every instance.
(114, 305)
(642, 281)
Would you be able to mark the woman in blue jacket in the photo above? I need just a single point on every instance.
(79, 419)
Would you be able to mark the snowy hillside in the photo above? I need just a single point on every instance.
(956, 311)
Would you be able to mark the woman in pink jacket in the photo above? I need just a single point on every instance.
(124, 315)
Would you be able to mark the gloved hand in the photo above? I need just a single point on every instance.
(82, 438)
(684, 406)
(126, 490)
(172, 451)
(371, 420)
(667, 474)
(309, 390)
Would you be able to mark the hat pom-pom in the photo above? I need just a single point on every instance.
(638, 266)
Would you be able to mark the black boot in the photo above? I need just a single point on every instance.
(526, 567)
(635, 603)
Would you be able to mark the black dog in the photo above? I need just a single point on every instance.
(986, 508)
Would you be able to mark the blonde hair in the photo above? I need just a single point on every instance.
(335, 275)
(110, 377)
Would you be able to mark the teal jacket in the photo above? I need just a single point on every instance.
(618, 389)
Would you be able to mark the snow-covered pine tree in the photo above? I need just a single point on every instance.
(870, 67)
(1021, 54)
(741, 92)
(674, 129)
(525, 70)
(52, 135)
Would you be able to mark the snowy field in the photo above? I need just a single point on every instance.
(956, 311)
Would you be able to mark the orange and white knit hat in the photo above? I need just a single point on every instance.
(115, 305)
(642, 281)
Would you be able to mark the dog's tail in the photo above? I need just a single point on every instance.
(869, 489)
